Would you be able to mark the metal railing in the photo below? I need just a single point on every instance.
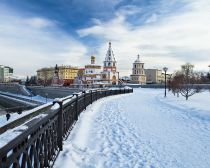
(40, 144)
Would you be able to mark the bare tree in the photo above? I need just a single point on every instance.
(186, 81)
(175, 83)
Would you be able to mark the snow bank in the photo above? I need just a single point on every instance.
(15, 116)
(35, 98)
(9, 135)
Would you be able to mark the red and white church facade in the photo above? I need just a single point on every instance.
(108, 75)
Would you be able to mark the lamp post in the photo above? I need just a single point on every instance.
(46, 94)
(118, 78)
(165, 70)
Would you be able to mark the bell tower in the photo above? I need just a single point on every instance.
(138, 74)
(93, 59)
(110, 62)
(110, 74)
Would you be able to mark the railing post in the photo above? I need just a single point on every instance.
(84, 92)
(60, 125)
(96, 94)
(76, 106)
(91, 96)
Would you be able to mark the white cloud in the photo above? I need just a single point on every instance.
(38, 22)
(128, 10)
(27, 44)
(171, 41)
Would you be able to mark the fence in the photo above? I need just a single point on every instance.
(40, 144)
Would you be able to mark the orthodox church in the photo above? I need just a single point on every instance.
(92, 74)
(138, 74)
(106, 75)
(110, 74)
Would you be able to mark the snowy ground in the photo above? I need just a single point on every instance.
(35, 98)
(142, 129)
(14, 116)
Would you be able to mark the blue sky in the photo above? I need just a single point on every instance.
(38, 33)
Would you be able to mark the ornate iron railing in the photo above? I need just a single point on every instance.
(39, 145)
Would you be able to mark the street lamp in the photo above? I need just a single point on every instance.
(165, 69)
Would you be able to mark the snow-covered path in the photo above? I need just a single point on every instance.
(141, 130)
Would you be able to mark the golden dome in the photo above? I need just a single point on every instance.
(93, 57)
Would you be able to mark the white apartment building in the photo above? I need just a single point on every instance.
(154, 76)
(5, 73)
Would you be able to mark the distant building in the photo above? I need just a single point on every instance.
(45, 75)
(138, 74)
(110, 74)
(125, 79)
(168, 76)
(66, 75)
(80, 76)
(5, 73)
(92, 73)
(154, 76)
